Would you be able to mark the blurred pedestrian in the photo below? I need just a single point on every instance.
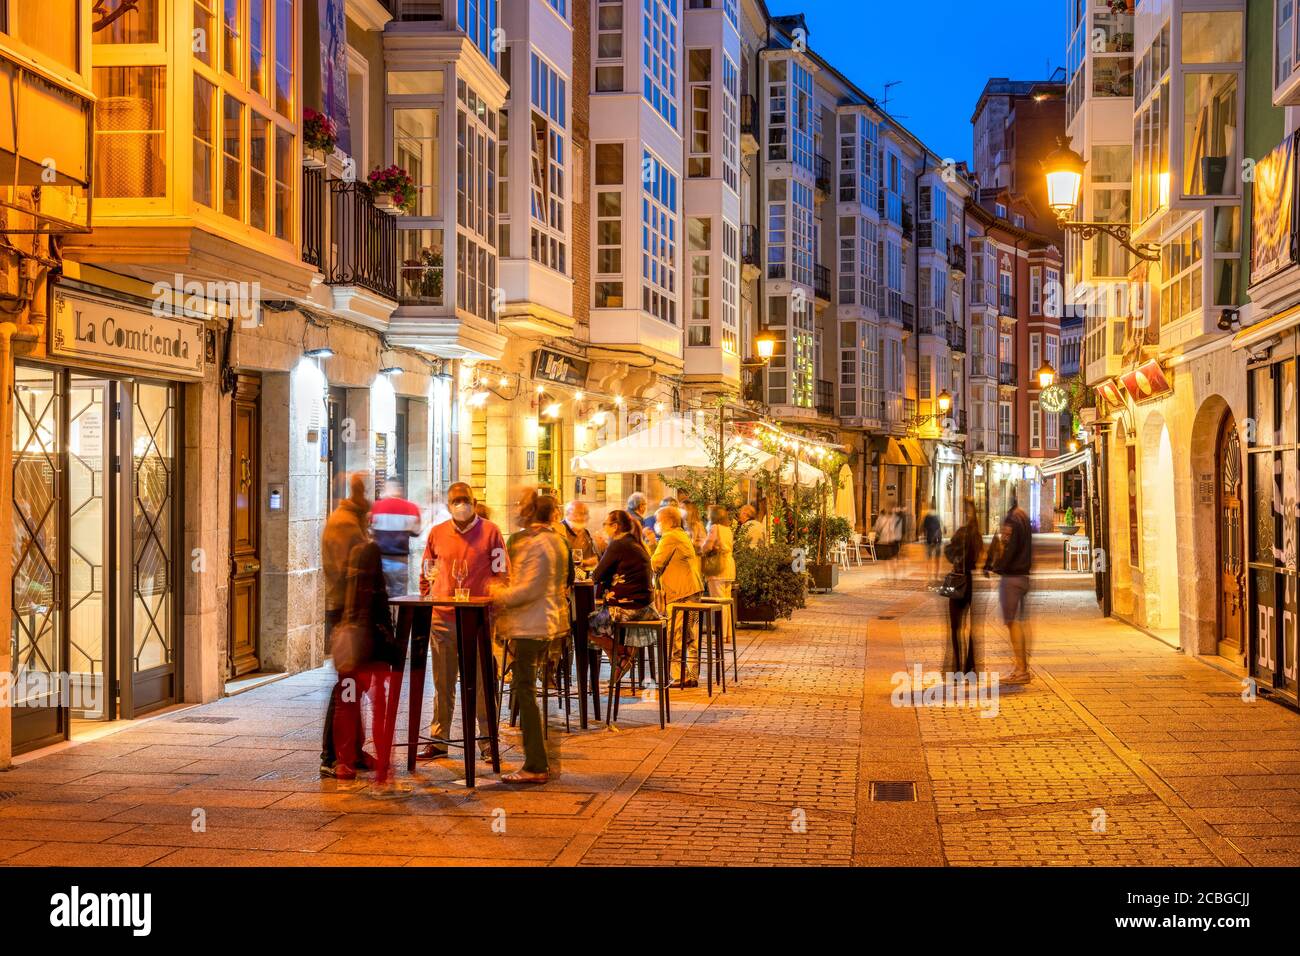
(534, 612)
(394, 522)
(719, 561)
(578, 533)
(693, 523)
(345, 529)
(366, 655)
(932, 534)
(750, 527)
(1013, 560)
(466, 552)
(678, 568)
(963, 552)
(889, 538)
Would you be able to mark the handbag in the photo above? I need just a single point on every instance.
(711, 564)
(350, 645)
(956, 583)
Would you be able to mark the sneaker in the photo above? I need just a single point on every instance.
(327, 771)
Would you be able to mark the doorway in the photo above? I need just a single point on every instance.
(96, 532)
(1229, 550)
(245, 527)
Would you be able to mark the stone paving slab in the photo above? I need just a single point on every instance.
(1120, 752)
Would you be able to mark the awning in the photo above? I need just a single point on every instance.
(1064, 463)
(1284, 320)
(912, 448)
(888, 451)
(667, 445)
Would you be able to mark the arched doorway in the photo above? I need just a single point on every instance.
(1229, 545)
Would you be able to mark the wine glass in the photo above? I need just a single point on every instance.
(460, 570)
(577, 562)
(429, 573)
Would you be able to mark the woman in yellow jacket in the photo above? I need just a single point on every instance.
(678, 568)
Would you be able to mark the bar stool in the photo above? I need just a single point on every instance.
(557, 676)
(708, 620)
(729, 628)
(616, 674)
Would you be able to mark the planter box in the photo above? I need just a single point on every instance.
(313, 158)
(1067, 528)
(824, 576)
(385, 203)
(747, 613)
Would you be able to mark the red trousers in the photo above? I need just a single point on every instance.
(378, 682)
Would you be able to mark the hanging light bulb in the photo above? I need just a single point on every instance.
(577, 396)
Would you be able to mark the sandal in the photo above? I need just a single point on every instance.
(525, 776)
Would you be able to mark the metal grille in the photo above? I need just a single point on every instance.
(8, 794)
(1165, 677)
(893, 791)
(203, 720)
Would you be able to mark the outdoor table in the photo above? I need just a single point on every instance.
(586, 663)
(473, 643)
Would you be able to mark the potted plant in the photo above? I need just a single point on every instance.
(1120, 6)
(319, 136)
(392, 190)
(768, 585)
(819, 534)
(1068, 525)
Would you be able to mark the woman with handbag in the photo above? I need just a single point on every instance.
(365, 655)
(678, 568)
(719, 564)
(963, 551)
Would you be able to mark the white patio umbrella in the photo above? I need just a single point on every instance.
(667, 445)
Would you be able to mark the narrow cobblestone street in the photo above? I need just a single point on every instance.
(1121, 751)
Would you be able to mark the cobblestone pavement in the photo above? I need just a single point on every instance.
(1120, 751)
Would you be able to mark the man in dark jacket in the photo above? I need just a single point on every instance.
(1013, 561)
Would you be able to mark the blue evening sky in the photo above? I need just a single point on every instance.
(943, 51)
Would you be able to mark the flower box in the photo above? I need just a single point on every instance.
(313, 158)
(386, 203)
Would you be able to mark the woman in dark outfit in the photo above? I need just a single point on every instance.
(623, 579)
(964, 553)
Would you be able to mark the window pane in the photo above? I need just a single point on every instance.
(284, 57)
(1211, 134)
(415, 81)
(1213, 37)
(129, 132)
(232, 129)
(205, 134)
(415, 149)
(609, 164)
(49, 26)
(140, 25)
(284, 181)
(259, 155)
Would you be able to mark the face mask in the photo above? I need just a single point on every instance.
(462, 511)
(578, 525)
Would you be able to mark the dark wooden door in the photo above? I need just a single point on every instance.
(245, 562)
(1232, 583)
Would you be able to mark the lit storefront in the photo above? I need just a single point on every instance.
(98, 502)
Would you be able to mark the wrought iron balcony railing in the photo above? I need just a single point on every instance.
(825, 398)
(313, 216)
(1006, 373)
(363, 241)
(822, 282)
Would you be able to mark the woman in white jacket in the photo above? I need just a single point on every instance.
(532, 611)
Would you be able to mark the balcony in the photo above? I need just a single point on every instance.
(1007, 373)
(961, 421)
(909, 316)
(825, 398)
(933, 322)
(415, 11)
(1007, 304)
(822, 284)
(956, 337)
(822, 168)
(751, 254)
(957, 258)
(749, 138)
(909, 410)
(363, 242)
(1006, 443)
(909, 225)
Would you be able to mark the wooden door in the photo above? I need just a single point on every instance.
(1232, 584)
(245, 526)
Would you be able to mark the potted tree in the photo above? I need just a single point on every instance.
(319, 136)
(1068, 525)
(825, 573)
(770, 584)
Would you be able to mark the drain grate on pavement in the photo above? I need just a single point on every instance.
(8, 794)
(203, 720)
(893, 791)
(1166, 677)
(886, 617)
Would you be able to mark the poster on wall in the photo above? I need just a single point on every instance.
(1273, 212)
(334, 69)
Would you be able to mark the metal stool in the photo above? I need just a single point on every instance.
(729, 627)
(559, 675)
(659, 661)
(708, 620)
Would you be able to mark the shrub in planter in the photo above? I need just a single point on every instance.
(767, 584)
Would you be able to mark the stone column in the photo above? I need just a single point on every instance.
(206, 558)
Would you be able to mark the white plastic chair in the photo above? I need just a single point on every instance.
(840, 554)
(1078, 552)
(870, 545)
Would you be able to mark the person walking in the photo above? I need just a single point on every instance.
(678, 569)
(394, 521)
(534, 612)
(963, 552)
(366, 657)
(469, 552)
(932, 533)
(889, 537)
(345, 530)
(1013, 561)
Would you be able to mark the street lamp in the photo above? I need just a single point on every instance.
(945, 402)
(764, 348)
(1046, 375)
(1063, 169)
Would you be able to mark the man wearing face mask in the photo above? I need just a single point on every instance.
(477, 542)
(580, 538)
